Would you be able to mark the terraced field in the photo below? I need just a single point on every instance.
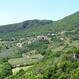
(16, 70)
(27, 60)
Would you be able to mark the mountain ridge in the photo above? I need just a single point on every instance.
(36, 27)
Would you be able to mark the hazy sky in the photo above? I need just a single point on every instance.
(12, 11)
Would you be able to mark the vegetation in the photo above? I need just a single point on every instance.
(5, 69)
(40, 49)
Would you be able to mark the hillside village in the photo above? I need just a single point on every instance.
(40, 49)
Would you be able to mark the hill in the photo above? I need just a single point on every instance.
(23, 26)
(36, 27)
(40, 49)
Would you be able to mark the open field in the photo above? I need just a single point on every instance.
(27, 60)
(15, 70)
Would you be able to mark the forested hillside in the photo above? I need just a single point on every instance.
(40, 49)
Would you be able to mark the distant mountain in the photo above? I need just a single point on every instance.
(36, 27)
(23, 25)
(70, 22)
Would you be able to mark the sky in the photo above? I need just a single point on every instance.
(14, 11)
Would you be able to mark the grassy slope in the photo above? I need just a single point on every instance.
(15, 70)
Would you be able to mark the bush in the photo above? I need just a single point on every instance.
(5, 70)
